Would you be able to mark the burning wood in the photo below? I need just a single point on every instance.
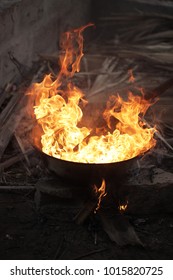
(101, 192)
(93, 204)
(115, 224)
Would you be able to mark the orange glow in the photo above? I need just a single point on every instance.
(123, 207)
(58, 110)
(101, 192)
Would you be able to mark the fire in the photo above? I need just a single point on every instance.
(123, 207)
(58, 108)
(100, 193)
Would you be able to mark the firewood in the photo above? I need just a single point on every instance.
(11, 116)
(92, 204)
(38, 74)
(22, 148)
(115, 225)
(9, 162)
(8, 129)
(9, 108)
(85, 211)
(118, 228)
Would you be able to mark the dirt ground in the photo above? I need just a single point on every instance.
(51, 233)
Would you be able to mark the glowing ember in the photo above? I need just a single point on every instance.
(123, 207)
(58, 110)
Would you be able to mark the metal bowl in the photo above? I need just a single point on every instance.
(87, 173)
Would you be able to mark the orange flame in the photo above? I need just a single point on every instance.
(123, 207)
(101, 192)
(58, 111)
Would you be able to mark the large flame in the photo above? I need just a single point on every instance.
(58, 110)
